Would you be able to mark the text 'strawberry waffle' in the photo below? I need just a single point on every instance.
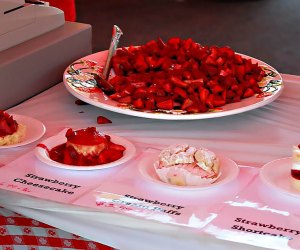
(182, 75)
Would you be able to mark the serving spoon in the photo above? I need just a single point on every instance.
(102, 80)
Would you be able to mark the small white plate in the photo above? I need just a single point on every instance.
(51, 142)
(229, 171)
(34, 130)
(277, 174)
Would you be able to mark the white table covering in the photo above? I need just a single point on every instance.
(252, 138)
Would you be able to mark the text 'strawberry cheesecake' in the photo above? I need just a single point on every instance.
(184, 165)
(11, 132)
(295, 172)
(86, 147)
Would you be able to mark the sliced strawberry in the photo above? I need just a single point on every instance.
(230, 94)
(109, 155)
(240, 72)
(167, 87)
(211, 61)
(102, 158)
(126, 99)
(174, 42)
(178, 82)
(187, 75)
(168, 104)
(103, 120)
(212, 70)
(180, 92)
(150, 104)
(138, 103)
(69, 155)
(4, 128)
(115, 146)
(217, 89)
(248, 93)
(194, 108)
(140, 63)
(115, 96)
(140, 92)
(220, 61)
(186, 103)
(210, 101)
(203, 94)
(238, 59)
(218, 101)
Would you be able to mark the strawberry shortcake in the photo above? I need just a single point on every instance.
(11, 132)
(184, 165)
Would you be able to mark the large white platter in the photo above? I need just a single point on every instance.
(78, 79)
(277, 175)
(34, 130)
(42, 153)
(229, 170)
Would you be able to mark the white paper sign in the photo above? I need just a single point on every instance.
(128, 192)
(260, 216)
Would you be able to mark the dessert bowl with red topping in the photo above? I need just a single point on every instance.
(11, 132)
(84, 149)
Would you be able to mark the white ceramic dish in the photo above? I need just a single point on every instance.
(42, 154)
(229, 171)
(277, 175)
(80, 83)
(34, 130)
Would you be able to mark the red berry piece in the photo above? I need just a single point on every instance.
(103, 120)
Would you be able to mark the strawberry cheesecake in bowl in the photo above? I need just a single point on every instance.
(185, 165)
(84, 149)
(11, 132)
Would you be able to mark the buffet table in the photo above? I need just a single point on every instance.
(243, 213)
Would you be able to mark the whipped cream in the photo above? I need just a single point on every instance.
(186, 165)
(185, 154)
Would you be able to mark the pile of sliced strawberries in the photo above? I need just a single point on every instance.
(182, 75)
(7, 124)
(68, 155)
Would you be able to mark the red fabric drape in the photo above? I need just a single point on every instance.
(67, 6)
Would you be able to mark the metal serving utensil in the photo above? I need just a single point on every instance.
(102, 80)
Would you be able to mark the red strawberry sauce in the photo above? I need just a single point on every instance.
(88, 136)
